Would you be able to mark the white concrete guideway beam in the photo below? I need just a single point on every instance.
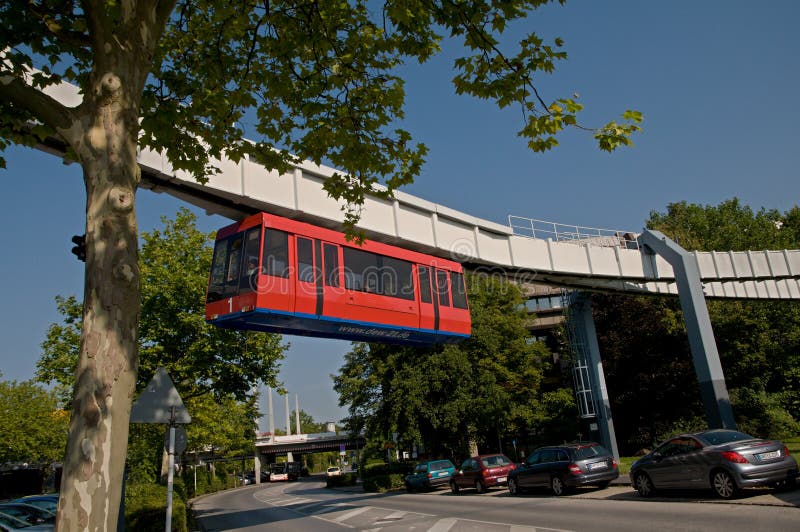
(242, 188)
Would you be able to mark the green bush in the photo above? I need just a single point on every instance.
(382, 469)
(146, 507)
(382, 483)
(207, 482)
(348, 479)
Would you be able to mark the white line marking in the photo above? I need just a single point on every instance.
(443, 525)
(351, 513)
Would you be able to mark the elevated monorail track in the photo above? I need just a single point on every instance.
(244, 188)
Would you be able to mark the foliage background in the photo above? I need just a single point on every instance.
(648, 365)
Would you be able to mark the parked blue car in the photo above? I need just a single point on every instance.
(430, 474)
(47, 502)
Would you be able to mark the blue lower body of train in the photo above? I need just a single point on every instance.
(326, 327)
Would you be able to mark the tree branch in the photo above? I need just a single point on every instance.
(97, 23)
(44, 108)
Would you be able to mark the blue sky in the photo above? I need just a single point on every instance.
(716, 80)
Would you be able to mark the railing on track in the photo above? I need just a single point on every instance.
(575, 234)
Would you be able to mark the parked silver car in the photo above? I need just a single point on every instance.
(722, 460)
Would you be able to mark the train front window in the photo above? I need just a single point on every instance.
(252, 245)
(225, 266)
(276, 253)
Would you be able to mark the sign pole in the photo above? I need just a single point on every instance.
(171, 464)
(161, 403)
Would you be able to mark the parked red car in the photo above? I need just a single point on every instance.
(482, 472)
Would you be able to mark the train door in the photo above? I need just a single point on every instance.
(332, 280)
(428, 305)
(274, 284)
(308, 281)
(442, 296)
(452, 297)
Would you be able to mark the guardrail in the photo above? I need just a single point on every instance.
(575, 234)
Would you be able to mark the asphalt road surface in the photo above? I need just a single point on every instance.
(309, 506)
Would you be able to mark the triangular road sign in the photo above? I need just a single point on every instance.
(160, 402)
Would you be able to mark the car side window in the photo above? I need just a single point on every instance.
(677, 446)
(549, 455)
(688, 445)
(534, 459)
(563, 457)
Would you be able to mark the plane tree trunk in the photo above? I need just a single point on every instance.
(106, 374)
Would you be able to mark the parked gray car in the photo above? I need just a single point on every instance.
(722, 460)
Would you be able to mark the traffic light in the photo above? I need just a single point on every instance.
(80, 247)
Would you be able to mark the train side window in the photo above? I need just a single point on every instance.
(252, 245)
(357, 264)
(442, 288)
(276, 253)
(331, 256)
(305, 260)
(425, 284)
(459, 291)
(396, 278)
(377, 274)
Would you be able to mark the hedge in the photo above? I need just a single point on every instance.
(382, 483)
(347, 479)
(146, 507)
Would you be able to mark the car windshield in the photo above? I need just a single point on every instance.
(590, 451)
(495, 461)
(724, 436)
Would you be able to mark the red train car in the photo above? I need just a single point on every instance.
(279, 275)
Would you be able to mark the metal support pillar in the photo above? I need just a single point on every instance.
(581, 314)
(698, 327)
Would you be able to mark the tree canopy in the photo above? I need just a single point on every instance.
(648, 366)
(450, 398)
(308, 80)
(34, 426)
(173, 333)
(215, 370)
(183, 77)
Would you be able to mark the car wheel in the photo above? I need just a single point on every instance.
(787, 485)
(603, 485)
(479, 487)
(454, 488)
(557, 486)
(409, 488)
(723, 484)
(643, 485)
(513, 489)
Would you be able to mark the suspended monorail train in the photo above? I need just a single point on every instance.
(275, 274)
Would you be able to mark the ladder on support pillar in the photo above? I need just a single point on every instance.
(579, 348)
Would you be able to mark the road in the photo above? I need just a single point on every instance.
(308, 505)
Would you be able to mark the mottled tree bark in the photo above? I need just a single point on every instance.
(106, 374)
